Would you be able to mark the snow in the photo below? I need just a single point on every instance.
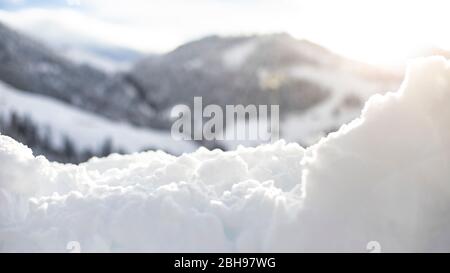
(236, 56)
(384, 177)
(309, 127)
(86, 130)
(259, 125)
(204, 201)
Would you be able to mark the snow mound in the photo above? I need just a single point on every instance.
(384, 177)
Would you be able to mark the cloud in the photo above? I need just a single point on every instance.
(148, 25)
(373, 31)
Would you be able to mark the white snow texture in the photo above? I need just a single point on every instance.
(384, 177)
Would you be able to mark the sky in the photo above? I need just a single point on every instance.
(381, 31)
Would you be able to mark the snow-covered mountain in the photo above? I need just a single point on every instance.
(33, 67)
(272, 69)
(66, 133)
(317, 90)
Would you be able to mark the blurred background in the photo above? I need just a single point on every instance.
(89, 78)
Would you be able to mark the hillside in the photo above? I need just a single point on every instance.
(68, 134)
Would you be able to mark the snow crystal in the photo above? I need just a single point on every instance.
(384, 177)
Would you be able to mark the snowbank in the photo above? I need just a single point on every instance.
(384, 177)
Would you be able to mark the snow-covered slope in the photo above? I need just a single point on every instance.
(384, 177)
(61, 122)
(349, 92)
(312, 85)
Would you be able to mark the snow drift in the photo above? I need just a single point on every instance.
(384, 177)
